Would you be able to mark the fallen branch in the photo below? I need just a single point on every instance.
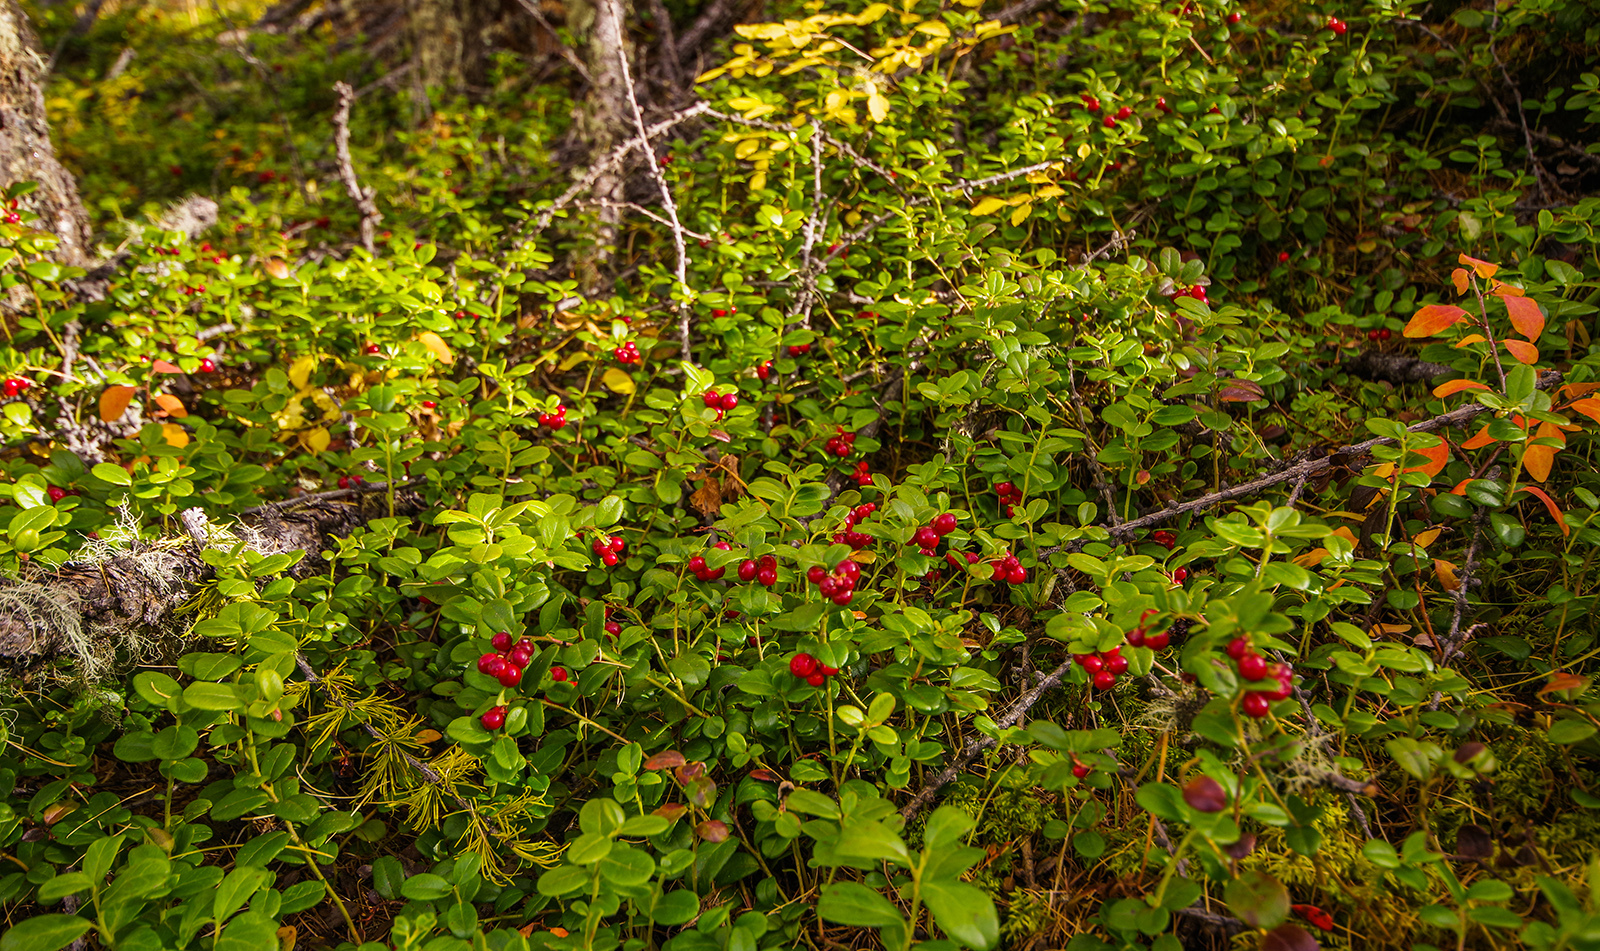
(365, 198)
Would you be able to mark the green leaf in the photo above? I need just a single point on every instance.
(945, 828)
(44, 933)
(251, 931)
(1258, 899)
(964, 912)
(114, 474)
(849, 903)
(674, 908)
(1161, 800)
(425, 886)
(61, 886)
(209, 696)
(1566, 732)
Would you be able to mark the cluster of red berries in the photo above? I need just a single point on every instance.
(838, 585)
(862, 475)
(1103, 667)
(14, 385)
(1010, 496)
(609, 548)
(721, 402)
(698, 567)
(350, 482)
(1008, 569)
(1196, 291)
(1337, 25)
(627, 354)
(1382, 333)
(57, 493)
(1089, 102)
(1111, 121)
(192, 291)
(1139, 636)
(763, 570)
(12, 218)
(856, 540)
(799, 349)
(764, 370)
(1254, 668)
(554, 420)
(1165, 539)
(840, 444)
(1180, 575)
(507, 661)
(928, 536)
(810, 670)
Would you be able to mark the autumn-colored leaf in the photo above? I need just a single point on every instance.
(429, 736)
(1461, 487)
(617, 381)
(1538, 460)
(671, 811)
(1525, 316)
(1424, 539)
(175, 435)
(1549, 505)
(1432, 319)
(1437, 457)
(1502, 289)
(1312, 558)
(712, 830)
(1567, 685)
(171, 405)
(1447, 574)
(277, 268)
(1588, 406)
(162, 366)
(1456, 386)
(667, 759)
(1468, 340)
(1459, 278)
(1523, 351)
(436, 346)
(1579, 389)
(1480, 440)
(1240, 391)
(764, 775)
(1484, 268)
(317, 439)
(55, 812)
(114, 402)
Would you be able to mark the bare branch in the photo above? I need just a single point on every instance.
(364, 198)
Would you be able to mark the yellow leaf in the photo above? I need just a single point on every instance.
(1447, 575)
(1312, 558)
(1051, 191)
(872, 13)
(300, 370)
(988, 206)
(1426, 538)
(317, 439)
(877, 106)
(436, 346)
(618, 382)
(1021, 214)
(174, 435)
(934, 28)
(114, 402)
(757, 31)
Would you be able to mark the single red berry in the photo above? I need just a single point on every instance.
(943, 524)
(802, 665)
(764, 370)
(816, 573)
(510, 676)
(843, 598)
(1004, 488)
(56, 493)
(373, 349)
(1283, 257)
(1234, 18)
(697, 563)
(494, 718)
(1180, 576)
(1125, 112)
(208, 365)
(719, 313)
(1079, 770)
(1017, 575)
(558, 674)
(1385, 333)
(501, 641)
(1157, 641)
(767, 577)
(1109, 122)
(1092, 663)
(1255, 705)
(1253, 667)
(1136, 637)
(729, 401)
(1105, 680)
(925, 537)
(1161, 103)
(748, 569)
(344, 482)
(816, 679)
(1238, 647)
(613, 628)
(1117, 664)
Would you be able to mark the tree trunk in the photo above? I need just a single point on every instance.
(25, 150)
(606, 120)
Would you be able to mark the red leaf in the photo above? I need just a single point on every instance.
(764, 775)
(1524, 352)
(1456, 386)
(1549, 504)
(1240, 391)
(665, 760)
(1432, 319)
(1525, 316)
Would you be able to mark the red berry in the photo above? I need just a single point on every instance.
(1079, 770)
(1238, 647)
(1337, 25)
(1136, 637)
(944, 524)
(1117, 664)
(1017, 575)
(925, 538)
(613, 628)
(1255, 705)
(1110, 122)
(494, 718)
(1124, 112)
(510, 676)
(764, 370)
(1180, 576)
(1105, 680)
(1092, 663)
(767, 577)
(843, 598)
(1385, 333)
(501, 641)
(1283, 257)
(558, 674)
(816, 679)
(1252, 667)
(491, 664)
(521, 655)
(1157, 641)
(1234, 18)
(56, 493)
(1004, 488)
(208, 365)
(373, 349)
(729, 401)
(1161, 103)
(802, 665)
(748, 569)
(697, 563)
(816, 573)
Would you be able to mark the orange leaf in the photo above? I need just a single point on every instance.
(1480, 440)
(162, 366)
(1523, 351)
(1437, 457)
(1456, 386)
(1468, 339)
(1432, 319)
(1447, 575)
(172, 405)
(1526, 317)
(1458, 277)
(1538, 460)
(1484, 268)
(1549, 504)
(1461, 487)
(1502, 289)
(1578, 389)
(1588, 406)
(175, 435)
(114, 402)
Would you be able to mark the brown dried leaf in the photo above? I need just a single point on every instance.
(707, 500)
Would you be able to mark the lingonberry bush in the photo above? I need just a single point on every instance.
(1101, 477)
